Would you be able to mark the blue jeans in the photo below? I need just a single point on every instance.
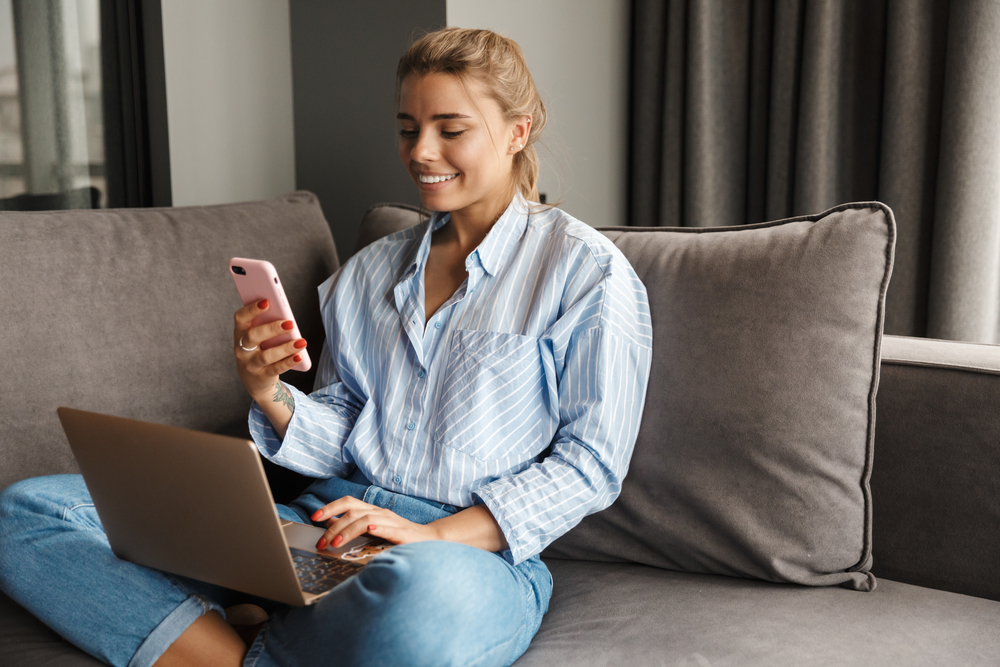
(433, 603)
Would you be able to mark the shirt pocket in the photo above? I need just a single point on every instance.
(493, 400)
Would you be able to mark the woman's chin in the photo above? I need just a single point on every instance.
(435, 201)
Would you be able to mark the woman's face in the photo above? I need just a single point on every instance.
(455, 144)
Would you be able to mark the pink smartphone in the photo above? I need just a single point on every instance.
(255, 280)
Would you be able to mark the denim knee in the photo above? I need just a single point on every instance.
(433, 600)
(424, 574)
(39, 493)
(428, 603)
(51, 496)
(17, 497)
(24, 503)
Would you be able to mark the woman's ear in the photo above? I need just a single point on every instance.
(519, 133)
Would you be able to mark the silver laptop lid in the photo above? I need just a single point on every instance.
(186, 502)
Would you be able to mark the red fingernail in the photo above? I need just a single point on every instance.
(297, 358)
(337, 540)
(321, 544)
(372, 527)
(287, 325)
(262, 304)
(316, 515)
(300, 343)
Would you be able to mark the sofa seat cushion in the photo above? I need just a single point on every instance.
(24, 640)
(628, 614)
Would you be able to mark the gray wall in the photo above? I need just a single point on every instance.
(229, 100)
(344, 57)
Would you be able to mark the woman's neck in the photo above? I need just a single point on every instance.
(470, 226)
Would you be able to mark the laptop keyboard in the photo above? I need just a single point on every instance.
(318, 575)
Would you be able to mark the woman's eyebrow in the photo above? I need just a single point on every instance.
(439, 116)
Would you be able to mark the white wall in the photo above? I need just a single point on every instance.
(577, 51)
(229, 99)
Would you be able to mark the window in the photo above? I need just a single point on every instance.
(82, 104)
(51, 119)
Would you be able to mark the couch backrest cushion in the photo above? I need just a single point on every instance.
(384, 219)
(755, 450)
(130, 312)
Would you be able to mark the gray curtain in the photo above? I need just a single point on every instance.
(752, 110)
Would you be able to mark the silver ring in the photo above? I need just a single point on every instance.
(246, 349)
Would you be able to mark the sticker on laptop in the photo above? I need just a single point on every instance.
(362, 549)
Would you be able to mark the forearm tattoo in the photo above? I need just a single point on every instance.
(282, 395)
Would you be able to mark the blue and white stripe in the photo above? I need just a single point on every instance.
(523, 391)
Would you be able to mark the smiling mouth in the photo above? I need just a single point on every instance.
(435, 179)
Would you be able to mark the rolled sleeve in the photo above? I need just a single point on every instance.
(314, 441)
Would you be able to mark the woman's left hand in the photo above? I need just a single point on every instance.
(348, 517)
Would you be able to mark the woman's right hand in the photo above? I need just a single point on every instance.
(259, 369)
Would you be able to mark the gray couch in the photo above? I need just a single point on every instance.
(768, 518)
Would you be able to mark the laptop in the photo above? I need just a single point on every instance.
(199, 505)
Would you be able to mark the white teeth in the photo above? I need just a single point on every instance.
(435, 179)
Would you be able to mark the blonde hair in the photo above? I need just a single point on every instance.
(498, 63)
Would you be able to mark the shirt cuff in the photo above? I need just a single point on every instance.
(264, 436)
(513, 553)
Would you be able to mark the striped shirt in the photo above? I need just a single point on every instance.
(524, 391)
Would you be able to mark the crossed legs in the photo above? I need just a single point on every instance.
(425, 603)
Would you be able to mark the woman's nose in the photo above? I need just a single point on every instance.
(425, 148)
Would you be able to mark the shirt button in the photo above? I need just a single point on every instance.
(421, 374)
(410, 426)
(397, 479)
(437, 325)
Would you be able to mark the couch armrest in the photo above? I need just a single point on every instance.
(936, 477)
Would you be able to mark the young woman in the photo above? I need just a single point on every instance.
(479, 393)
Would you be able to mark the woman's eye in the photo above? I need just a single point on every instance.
(413, 134)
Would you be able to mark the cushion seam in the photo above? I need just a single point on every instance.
(890, 244)
(814, 217)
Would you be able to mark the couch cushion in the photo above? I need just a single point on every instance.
(24, 640)
(384, 219)
(626, 614)
(96, 302)
(755, 449)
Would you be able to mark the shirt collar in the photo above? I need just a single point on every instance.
(504, 235)
(494, 249)
(418, 256)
